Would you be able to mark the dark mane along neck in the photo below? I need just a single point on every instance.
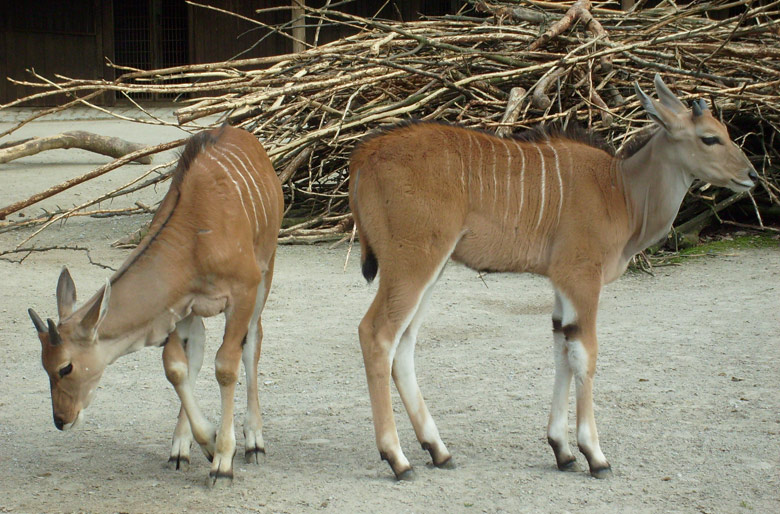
(636, 142)
(539, 133)
(571, 132)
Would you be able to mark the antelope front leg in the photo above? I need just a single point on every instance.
(226, 369)
(576, 350)
(177, 372)
(193, 335)
(582, 359)
(558, 426)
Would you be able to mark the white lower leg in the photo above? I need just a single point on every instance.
(587, 435)
(253, 422)
(558, 425)
(182, 439)
(406, 382)
(192, 334)
(222, 465)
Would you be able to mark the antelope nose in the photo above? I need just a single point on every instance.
(753, 175)
(58, 422)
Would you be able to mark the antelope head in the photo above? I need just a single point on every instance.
(70, 352)
(700, 143)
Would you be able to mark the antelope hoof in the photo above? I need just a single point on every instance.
(253, 445)
(405, 476)
(402, 470)
(602, 472)
(209, 448)
(208, 451)
(179, 462)
(441, 457)
(569, 465)
(218, 479)
(252, 455)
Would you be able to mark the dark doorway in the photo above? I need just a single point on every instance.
(150, 34)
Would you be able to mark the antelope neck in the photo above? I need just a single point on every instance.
(654, 187)
(144, 306)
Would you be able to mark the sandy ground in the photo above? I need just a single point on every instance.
(687, 391)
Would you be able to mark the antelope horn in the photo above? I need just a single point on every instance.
(703, 105)
(696, 109)
(40, 326)
(54, 336)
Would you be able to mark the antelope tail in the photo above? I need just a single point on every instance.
(370, 266)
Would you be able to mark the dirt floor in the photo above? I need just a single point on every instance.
(687, 391)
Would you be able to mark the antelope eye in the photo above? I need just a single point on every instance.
(67, 369)
(710, 140)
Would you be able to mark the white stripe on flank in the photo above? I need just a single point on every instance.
(560, 181)
(479, 169)
(541, 204)
(508, 177)
(495, 179)
(223, 153)
(238, 189)
(522, 176)
(251, 177)
(463, 168)
(470, 154)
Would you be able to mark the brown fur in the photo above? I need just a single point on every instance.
(210, 249)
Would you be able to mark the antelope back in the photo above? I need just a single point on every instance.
(502, 200)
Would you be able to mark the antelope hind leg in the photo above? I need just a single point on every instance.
(406, 382)
(403, 285)
(253, 423)
(226, 366)
(377, 342)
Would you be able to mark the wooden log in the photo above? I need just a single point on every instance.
(512, 111)
(111, 146)
(102, 170)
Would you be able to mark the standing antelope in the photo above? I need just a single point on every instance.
(548, 204)
(210, 250)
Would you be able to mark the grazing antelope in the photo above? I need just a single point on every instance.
(548, 204)
(210, 249)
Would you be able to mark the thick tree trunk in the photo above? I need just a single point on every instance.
(111, 146)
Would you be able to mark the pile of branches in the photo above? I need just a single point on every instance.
(497, 66)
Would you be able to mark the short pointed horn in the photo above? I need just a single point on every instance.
(703, 105)
(40, 326)
(54, 336)
(696, 108)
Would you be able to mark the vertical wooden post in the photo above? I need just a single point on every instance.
(298, 25)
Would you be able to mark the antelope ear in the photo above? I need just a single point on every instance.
(97, 312)
(657, 112)
(666, 96)
(66, 294)
(40, 326)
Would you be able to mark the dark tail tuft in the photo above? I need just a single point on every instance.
(370, 265)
